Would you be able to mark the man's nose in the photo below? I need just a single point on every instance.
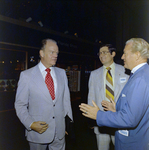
(122, 57)
(55, 54)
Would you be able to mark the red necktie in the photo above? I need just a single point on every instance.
(50, 84)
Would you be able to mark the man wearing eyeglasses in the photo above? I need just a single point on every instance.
(105, 84)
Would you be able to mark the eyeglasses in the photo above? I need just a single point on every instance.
(103, 52)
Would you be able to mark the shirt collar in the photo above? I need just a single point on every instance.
(42, 67)
(112, 66)
(137, 67)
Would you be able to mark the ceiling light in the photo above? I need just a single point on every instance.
(40, 23)
(29, 19)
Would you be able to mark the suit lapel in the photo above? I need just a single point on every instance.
(101, 83)
(58, 80)
(39, 81)
(117, 80)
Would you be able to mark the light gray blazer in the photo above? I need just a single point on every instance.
(33, 103)
(96, 86)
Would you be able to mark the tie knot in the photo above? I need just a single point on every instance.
(48, 70)
(108, 68)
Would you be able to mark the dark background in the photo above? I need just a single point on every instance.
(79, 27)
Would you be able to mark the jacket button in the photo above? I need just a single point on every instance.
(54, 105)
(53, 117)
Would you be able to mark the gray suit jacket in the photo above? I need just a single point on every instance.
(96, 86)
(34, 103)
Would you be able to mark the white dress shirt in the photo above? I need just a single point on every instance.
(42, 69)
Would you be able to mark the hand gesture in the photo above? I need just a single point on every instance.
(108, 106)
(89, 111)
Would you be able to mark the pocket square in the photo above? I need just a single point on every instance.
(124, 132)
(123, 95)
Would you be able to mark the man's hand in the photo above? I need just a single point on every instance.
(108, 106)
(66, 132)
(89, 111)
(39, 126)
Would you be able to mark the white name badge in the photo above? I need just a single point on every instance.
(124, 132)
(122, 80)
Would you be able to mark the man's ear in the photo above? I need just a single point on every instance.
(113, 54)
(41, 53)
(137, 55)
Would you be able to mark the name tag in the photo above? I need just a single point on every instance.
(122, 80)
(124, 132)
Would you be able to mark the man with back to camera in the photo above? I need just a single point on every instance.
(132, 108)
(43, 101)
(98, 90)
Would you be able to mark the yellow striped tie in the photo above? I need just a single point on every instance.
(109, 85)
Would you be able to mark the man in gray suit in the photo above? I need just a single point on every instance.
(43, 114)
(97, 90)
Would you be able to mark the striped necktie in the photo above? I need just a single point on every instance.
(109, 85)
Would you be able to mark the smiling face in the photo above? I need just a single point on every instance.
(105, 56)
(49, 54)
(129, 57)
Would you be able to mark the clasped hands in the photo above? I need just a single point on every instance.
(91, 111)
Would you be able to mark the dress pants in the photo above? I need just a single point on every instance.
(56, 144)
(103, 141)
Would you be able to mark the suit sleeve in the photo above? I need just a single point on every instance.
(21, 101)
(91, 96)
(67, 102)
(91, 93)
(130, 108)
